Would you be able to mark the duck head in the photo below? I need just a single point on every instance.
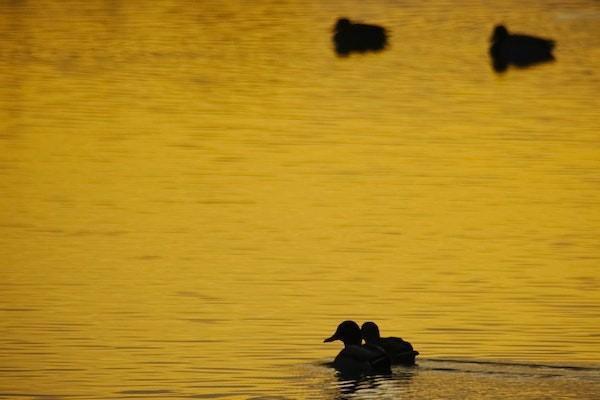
(370, 332)
(342, 23)
(348, 332)
(500, 33)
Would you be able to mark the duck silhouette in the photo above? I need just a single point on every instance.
(399, 351)
(356, 37)
(518, 50)
(356, 360)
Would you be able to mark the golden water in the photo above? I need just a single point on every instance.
(194, 194)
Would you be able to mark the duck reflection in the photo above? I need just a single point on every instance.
(356, 37)
(518, 50)
(380, 386)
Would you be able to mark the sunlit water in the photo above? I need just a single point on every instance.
(194, 194)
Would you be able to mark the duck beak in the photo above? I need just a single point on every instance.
(332, 338)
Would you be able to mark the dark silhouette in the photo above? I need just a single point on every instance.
(352, 37)
(399, 351)
(356, 360)
(519, 50)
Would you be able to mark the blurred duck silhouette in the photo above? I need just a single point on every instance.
(354, 37)
(518, 50)
(356, 360)
(399, 351)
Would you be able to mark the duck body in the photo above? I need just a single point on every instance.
(356, 360)
(356, 37)
(519, 50)
(398, 350)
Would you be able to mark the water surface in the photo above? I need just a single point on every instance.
(194, 194)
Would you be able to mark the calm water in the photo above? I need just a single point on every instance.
(194, 194)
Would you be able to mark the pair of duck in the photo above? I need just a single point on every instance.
(375, 356)
(506, 48)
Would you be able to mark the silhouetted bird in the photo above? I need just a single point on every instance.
(356, 360)
(518, 50)
(350, 37)
(399, 351)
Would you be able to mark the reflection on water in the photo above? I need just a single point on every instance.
(194, 194)
(460, 379)
(456, 379)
